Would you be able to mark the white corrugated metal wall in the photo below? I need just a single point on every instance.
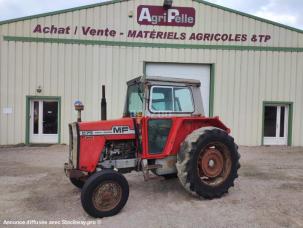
(243, 79)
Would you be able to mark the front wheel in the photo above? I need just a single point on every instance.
(208, 162)
(77, 182)
(104, 194)
(170, 176)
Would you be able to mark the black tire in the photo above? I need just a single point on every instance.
(77, 182)
(101, 179)
(170, 176)
(190, 157)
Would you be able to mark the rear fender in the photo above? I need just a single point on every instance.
(185, 127)
(181, 128)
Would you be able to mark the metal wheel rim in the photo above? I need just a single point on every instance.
(214, 164)
(107, 196)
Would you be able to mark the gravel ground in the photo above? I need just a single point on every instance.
(268, 193)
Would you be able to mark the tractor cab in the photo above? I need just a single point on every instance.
(159, 96)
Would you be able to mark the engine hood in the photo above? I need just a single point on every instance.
(123, 126)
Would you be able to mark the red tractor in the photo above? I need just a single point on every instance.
(163, 131)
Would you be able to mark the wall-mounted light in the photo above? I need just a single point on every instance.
(130, 14)
(167, 4)
(39, 89)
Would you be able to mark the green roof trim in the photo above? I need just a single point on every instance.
(119, 1)
(249, 16)
(152, 45)
(61, 11)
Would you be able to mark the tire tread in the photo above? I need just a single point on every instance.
(185, 157)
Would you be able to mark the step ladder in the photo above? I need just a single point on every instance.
(146, 168)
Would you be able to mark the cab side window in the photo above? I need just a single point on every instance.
(162, 99)
(183, 100)
(171, 99)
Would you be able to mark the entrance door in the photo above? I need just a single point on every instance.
(44, 121)
(188, 71)
(276, 124)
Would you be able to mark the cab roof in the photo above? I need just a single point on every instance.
(159, 80)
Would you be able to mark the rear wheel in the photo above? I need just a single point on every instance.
(104, 194)
(208, 162)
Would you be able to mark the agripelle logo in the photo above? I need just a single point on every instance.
(157, 15)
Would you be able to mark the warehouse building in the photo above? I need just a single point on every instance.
(250, 68)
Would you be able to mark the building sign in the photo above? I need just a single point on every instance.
(7, 110)
(157, 15)
(151, 16)
(89, 31)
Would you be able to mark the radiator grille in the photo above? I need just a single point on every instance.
(73, 144)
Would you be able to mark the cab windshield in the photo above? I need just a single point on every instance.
(134, 100)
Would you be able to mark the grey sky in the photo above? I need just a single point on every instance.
(289, 12)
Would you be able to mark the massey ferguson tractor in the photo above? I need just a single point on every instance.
(163, 131)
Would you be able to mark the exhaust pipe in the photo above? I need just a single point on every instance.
(167, 4)
(103, 104)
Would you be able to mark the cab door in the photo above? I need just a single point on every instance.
(164, 103)
(158, 132)
(155, 136)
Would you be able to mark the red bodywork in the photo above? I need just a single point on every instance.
(91, 146)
